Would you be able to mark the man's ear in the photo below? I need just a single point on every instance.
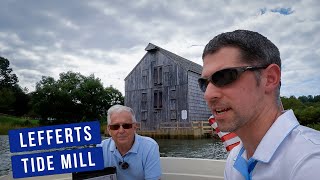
(273, 76)
(136, 126)
(108, 129)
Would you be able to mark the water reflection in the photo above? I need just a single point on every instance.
(5, 161)
(201, 148)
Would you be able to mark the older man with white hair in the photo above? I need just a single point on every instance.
(135, 157)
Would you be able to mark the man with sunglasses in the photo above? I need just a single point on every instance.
(135, 157)
(241, 84)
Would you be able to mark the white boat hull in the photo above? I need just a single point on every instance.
(172, 169)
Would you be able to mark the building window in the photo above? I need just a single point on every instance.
(173, 115)
(143, 105)
(173, 94)
(144, 81)
(144, 96)
(144, 101)
(157, 99)
(157, 75)
(145, 78)
(172, 104)
(144, 115)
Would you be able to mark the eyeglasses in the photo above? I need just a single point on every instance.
(124, 165)
(117, 126)
(226, 76)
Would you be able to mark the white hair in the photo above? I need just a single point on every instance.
(120, 108)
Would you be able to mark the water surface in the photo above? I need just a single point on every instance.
(200, 148)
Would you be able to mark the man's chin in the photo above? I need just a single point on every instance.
(224, 127)
(122, 140)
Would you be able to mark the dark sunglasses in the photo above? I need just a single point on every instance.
(226, 76)
(117, 126)
(124, 165)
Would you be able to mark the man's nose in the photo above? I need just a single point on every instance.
(121, 129)
(212, 92)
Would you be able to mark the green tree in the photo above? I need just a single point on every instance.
(21, 105)
(13, 100)
(113, 96)
(309, 115)
(73, 98)
(91, 96)
(292, 103)
(70, 106)
(7, 81)
(306, 109)
(316, 98)
(7, 78)
(303, 99)
(7, 99)
(44, 98)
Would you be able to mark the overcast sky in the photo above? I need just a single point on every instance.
(107, 38)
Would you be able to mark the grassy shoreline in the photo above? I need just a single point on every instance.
(8, 122)
(11, 122)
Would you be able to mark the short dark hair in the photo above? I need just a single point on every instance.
(255, 48)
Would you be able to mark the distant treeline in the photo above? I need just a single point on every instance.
(71, 98)
(306, 108)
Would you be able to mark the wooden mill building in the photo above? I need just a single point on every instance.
(163, 87)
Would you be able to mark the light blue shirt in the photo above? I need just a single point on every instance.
(143, 159)
(288, 151)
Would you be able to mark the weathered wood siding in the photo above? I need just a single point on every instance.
(177, 86)
(198, 109)
(140, 87)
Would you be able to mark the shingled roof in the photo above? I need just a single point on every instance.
(184, 63)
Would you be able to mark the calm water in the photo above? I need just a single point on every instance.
(201, 148)
(5, 165)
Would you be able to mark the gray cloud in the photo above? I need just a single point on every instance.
(107, 38)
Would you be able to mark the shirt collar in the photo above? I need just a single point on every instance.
(279, 130)
(135, 146)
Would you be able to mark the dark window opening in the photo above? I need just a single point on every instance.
(144, 115)
(144, 101)
(172, 104)
(157, 99)
(173, 115)
(157, 75)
